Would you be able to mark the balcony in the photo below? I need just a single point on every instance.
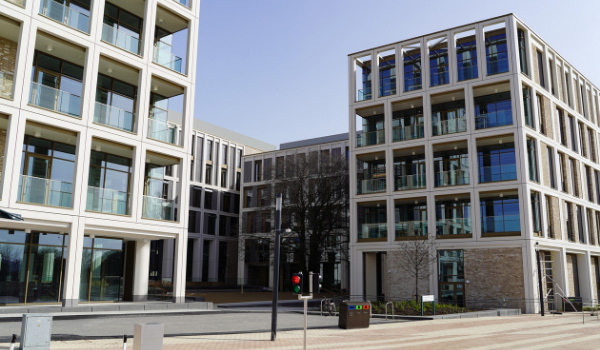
(452, 177)
(114, 117)
(500, 224)
(65, 14)
(166, 59)
(370, 138)
(410, 182)
(45, 191)
(55, 99)
(410, 132)
(411, 229)
(372, 186)
(455, 226)
(493, 119)
(6, 84)
(108, 201)
(158, 209)
(120, 39)
(159, 129)
(504, 172)
(373, 231)
(450, 126)
(364, 94)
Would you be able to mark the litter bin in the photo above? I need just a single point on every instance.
(354, 314)
(573, 304)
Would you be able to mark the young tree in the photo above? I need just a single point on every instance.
(416, 258)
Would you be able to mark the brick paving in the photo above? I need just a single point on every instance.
(514, 332)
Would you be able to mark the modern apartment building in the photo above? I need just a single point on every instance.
(262, 177)
(96, 113)
(483, 139)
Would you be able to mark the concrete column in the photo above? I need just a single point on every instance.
(73, 265)
(196, 259)
(180, 267)
(584, 269)
(142, 270)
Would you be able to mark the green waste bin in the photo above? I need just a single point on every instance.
(354, 314)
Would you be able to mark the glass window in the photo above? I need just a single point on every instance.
(408, 124)
(451, 167)
(496, 52)
(536, 213)
(540, 62)
(500, 214)
(453, 217)
(497, 162)
(451, 277)
(448, 118)
(527, 109)
(522, 51)
(387, 73)
(532, 160)
(466, 57)
(438, 63)
(412, 70)
(493, 110)
(372, 221)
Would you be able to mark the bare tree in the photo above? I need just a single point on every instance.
(416, 258)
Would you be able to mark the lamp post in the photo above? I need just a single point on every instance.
(276, 277)
(539, 268)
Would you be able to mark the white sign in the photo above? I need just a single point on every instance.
(427, 298)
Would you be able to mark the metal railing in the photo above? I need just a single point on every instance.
(450, 126)
(7, 80)
(378, 230)
(120, 39)
(454, 226)
(493, 119)
(410, 182)
(452, 177)
(107, 201)
(45, 191)
(55, 99)
(167, 59)
(411, 228)
(409, 132)
(504, 172)
(65, 14)
(114, 116)
(371, 186)
(158, 208)
(370, 138)
(504, 223)
(364, 94)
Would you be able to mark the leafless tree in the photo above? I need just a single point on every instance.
(416, 258)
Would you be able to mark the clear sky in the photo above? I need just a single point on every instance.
(276, 70)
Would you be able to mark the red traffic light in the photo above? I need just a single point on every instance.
(296, 279)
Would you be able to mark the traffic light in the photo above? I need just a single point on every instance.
(317, 280)
(297, 283)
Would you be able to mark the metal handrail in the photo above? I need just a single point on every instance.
(386, 309)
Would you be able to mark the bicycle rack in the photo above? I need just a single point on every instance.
(386, 309)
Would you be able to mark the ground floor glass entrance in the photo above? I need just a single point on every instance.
(101, 269)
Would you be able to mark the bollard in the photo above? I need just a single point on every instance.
(148, 336)
(13, 341)
(125, 342)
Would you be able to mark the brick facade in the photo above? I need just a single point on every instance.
(8, 59)
(399, 284)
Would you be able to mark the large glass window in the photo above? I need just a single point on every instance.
(115, 103)
(536, 213)
(453, 217)
(451, 167)
(527, 107)
(500, 214)
(438, 63)
(497, 162)
(532, 160)
(493, 110)
(466, 57)
(496, 52)
(122, 28)
(412, 69)
(522, 51)
(31, 266)
(371, 175)
(409, 172)
(540, 62)
(448, 118)
(451, 275)
(372, 221)
(373, 131)
(408, 124)
(101, 269)
(157, 194)
(108, 183)
(410, 219)
(387, 73)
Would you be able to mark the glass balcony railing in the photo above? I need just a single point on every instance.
(457, 226)
(452, 177)
(467, 72)
(449, 126)
(440, 78)
(410, 132)
(497, 62)
(158, 208)
(45, 191)
(387, 86)
(493, 119)
(167, 59)
(410, 182)
(7, 80)
(17, 2)
(504, 172)
(373, 231)
(364, 94)
(371, 186)
(55, 99)
(65, 14)
(411, 84)
(108, 201)
(411, 228)
(114, 117)
(162, 131)
(498, 224)
(120, 39)
(370, 138)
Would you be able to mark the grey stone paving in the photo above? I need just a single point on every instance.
(204, 323)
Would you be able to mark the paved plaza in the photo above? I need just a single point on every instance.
(514, 332)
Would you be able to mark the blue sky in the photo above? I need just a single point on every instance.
(276, 70)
